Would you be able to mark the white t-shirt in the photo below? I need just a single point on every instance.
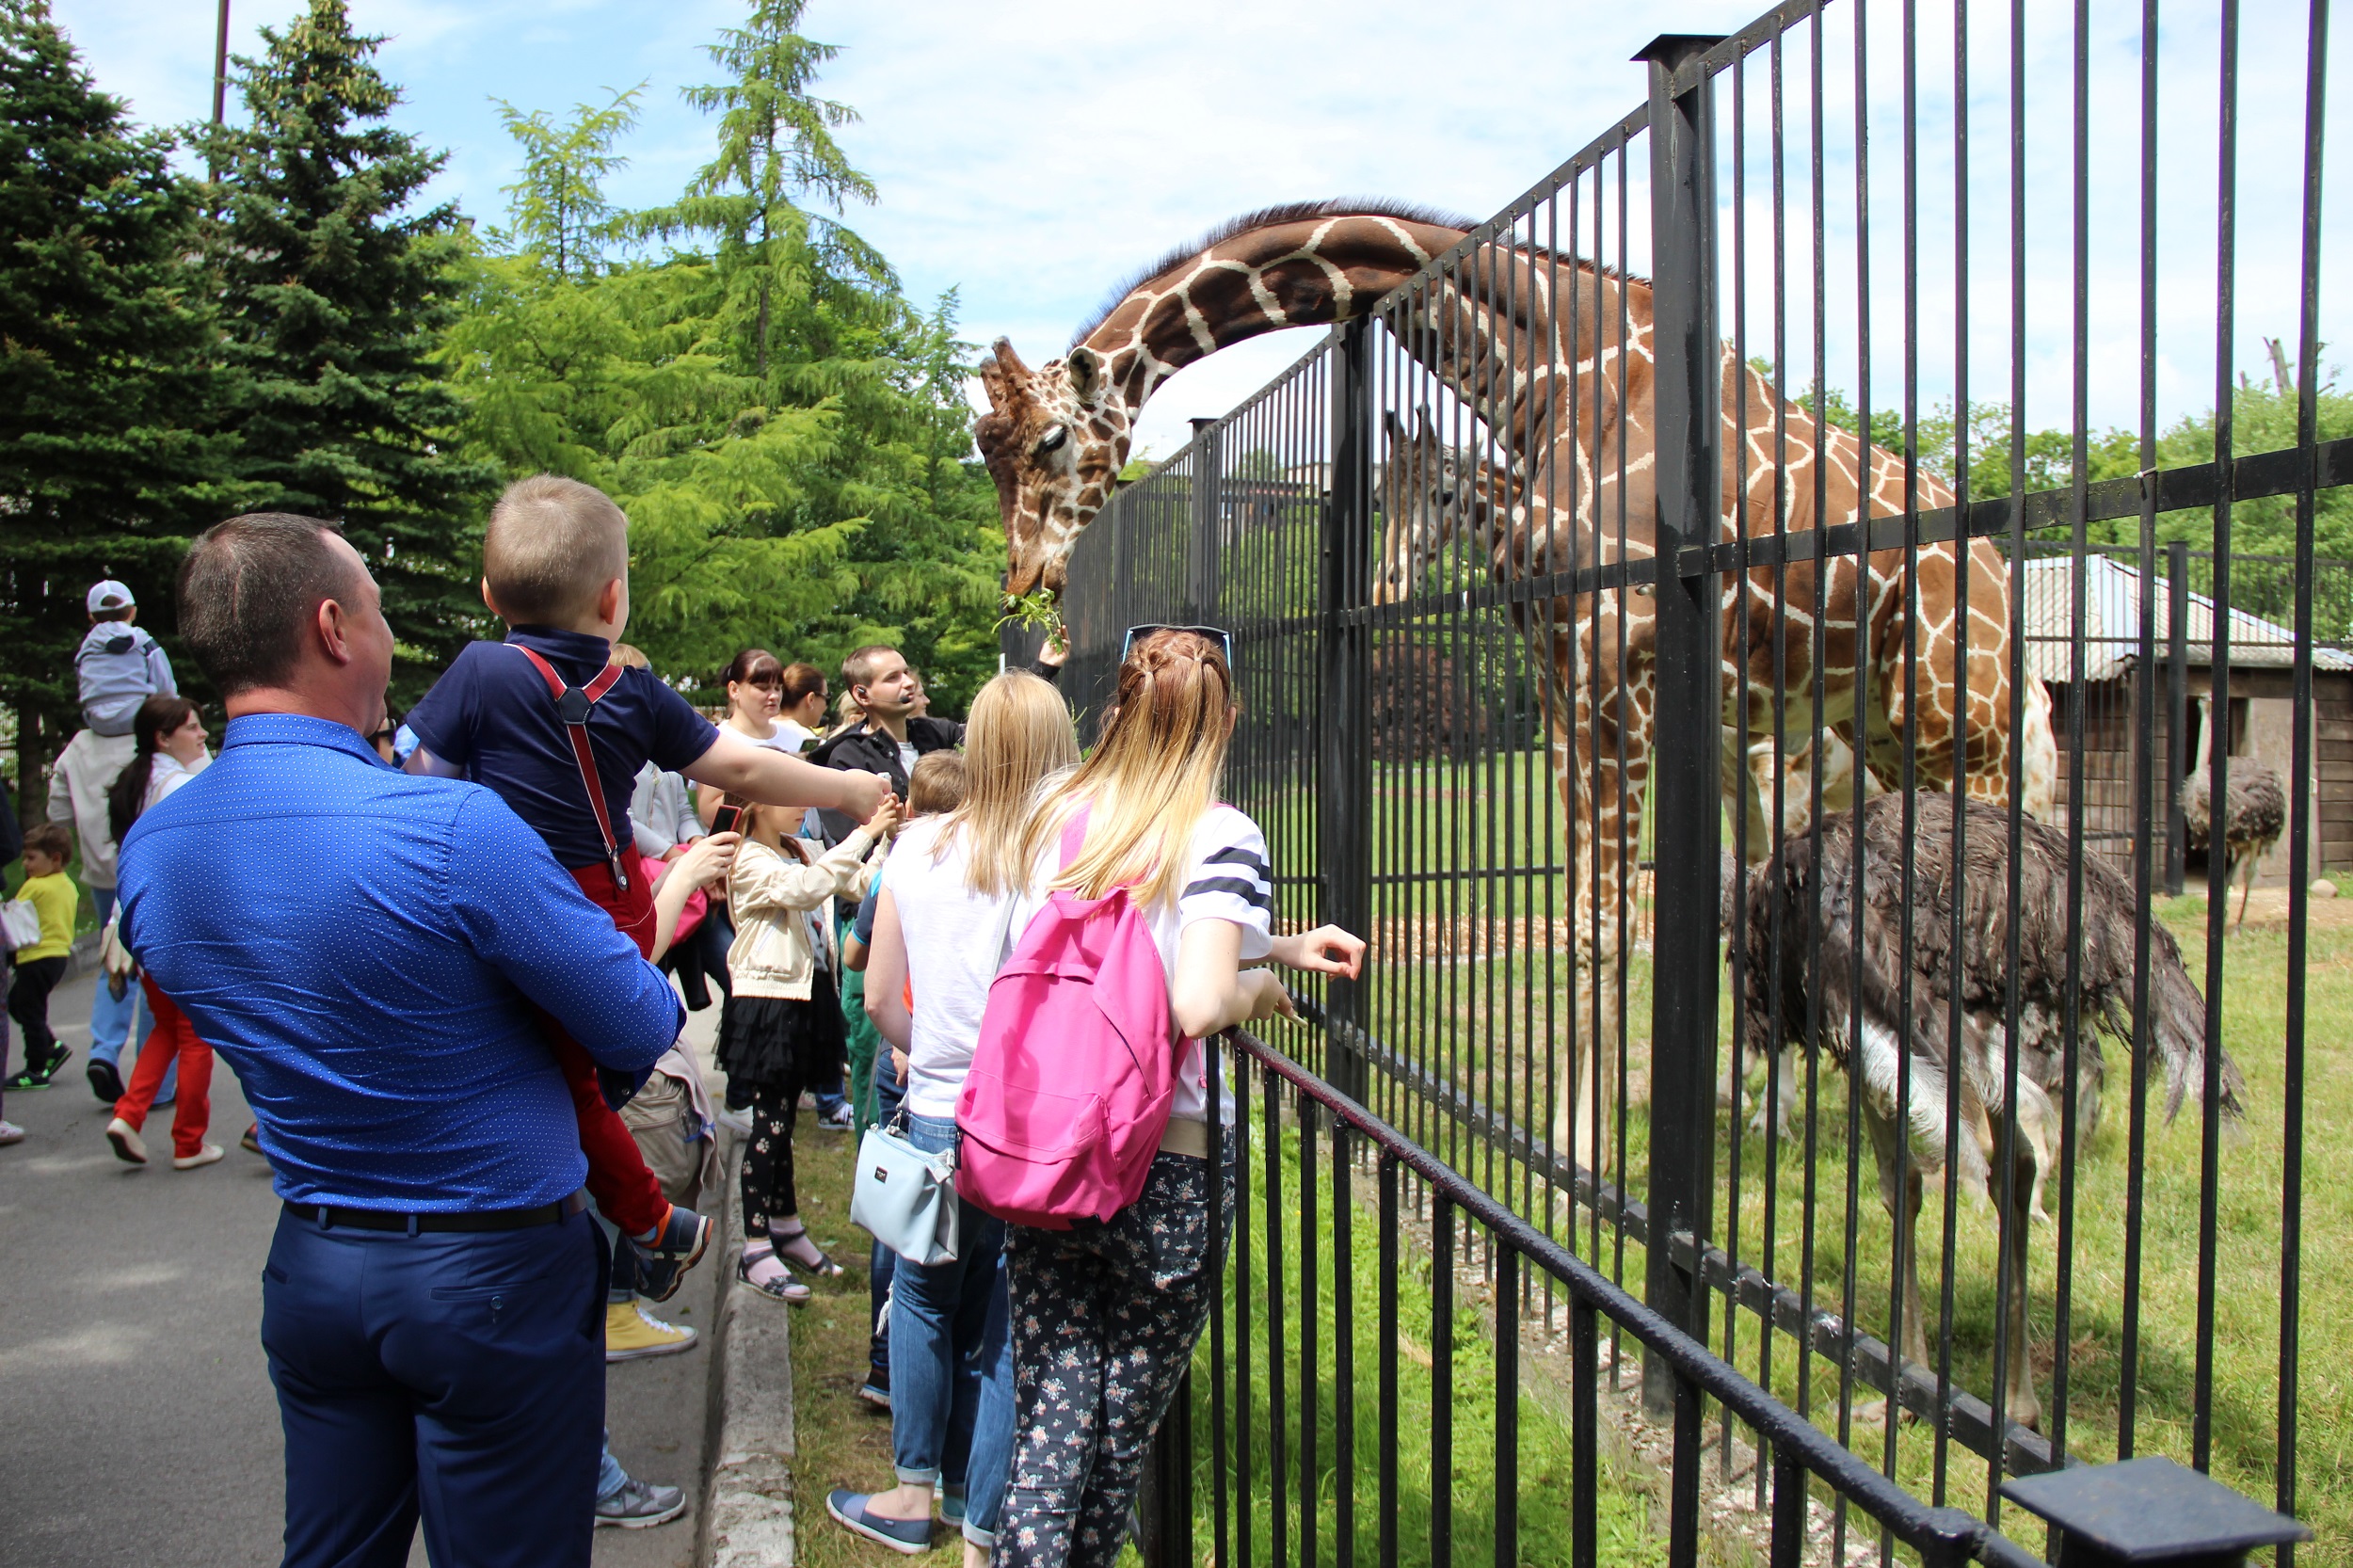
(793, 736)
(953, 942)
(907, 758)
(1227, 878)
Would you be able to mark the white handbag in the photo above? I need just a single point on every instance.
(905, 1197)
(20, 923)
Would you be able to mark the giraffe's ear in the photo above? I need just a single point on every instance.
(1085, 369)
(1393, 426)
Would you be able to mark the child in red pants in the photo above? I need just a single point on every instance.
(174, 1039)
(549, 723)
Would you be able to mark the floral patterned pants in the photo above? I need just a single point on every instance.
(1104, 1320)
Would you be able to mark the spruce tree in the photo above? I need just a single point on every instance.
(333, 291)
(102, 374)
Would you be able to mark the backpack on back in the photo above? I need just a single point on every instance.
(1076, 1068)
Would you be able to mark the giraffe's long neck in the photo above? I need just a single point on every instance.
(1302, 272)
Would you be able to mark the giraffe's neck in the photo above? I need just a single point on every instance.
(1307, 271)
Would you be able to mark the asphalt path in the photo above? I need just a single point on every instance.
(137, 1424)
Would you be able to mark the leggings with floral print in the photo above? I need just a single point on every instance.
(1104, 1320)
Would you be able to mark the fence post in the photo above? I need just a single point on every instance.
(1345, 811)
(1201, 554)
(2176, 710)
(1687, 799)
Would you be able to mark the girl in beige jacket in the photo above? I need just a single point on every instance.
(784, 1018)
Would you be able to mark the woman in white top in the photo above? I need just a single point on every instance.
(171, 738)
(801, 708)
(1105, 1316)
(947, 893)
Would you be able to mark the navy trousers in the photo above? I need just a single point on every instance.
(456, 1375)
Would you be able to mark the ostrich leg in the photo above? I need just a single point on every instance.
(1903, 1212)
(2023, 1407)
(2246, 889)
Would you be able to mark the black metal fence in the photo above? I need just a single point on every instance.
(1552, 599)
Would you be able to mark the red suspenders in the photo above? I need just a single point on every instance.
(573, 705)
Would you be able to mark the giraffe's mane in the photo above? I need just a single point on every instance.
(1267, 217)
(1307, 211)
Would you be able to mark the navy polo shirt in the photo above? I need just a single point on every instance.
(492, 717)
(364, 946)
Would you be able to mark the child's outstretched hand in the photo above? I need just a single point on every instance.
(885, 821)
(1326, 949)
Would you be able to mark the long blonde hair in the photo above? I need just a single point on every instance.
(1153, 776)
(1019, 734)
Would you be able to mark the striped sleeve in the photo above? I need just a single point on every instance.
(1230, 880)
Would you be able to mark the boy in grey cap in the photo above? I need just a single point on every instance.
(119, 665)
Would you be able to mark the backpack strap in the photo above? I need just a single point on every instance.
(572, 704)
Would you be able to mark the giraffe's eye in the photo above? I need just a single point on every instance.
(1052, 441)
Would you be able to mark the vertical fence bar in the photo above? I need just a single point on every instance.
(1389, 1330)
(1201, 550)
(1442, 1384)
(1346, 807)
(1687, 808)
(2176, 713)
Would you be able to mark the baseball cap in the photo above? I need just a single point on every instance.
(109, 595)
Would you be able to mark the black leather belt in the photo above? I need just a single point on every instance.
(480, 1219)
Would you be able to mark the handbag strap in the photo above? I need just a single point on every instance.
(572, 704)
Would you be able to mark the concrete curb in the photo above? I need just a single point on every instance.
(747, 1498)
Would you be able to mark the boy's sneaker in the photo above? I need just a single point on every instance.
(639, 1504)
(10, 1133)
(37, 1078)
(680, 1236)
(105, 1081)
(632, 1334)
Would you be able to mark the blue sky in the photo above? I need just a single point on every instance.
(1033, 153)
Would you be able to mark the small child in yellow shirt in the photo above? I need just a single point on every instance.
(39, 967)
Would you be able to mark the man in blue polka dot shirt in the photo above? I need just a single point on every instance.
(366, 947)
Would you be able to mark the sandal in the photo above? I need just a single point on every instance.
(760, 1269)
(822, 1268)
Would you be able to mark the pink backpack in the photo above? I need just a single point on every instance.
(1076, 1068)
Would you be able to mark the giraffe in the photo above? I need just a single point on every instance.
(1536, 336)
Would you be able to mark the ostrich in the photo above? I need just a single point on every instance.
(1863, 945)
(2258, 809)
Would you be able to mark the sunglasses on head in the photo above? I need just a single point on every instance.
(1224, 639)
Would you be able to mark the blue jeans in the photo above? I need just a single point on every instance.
(610, 1478)
(941, 1320)
(111, 1021)
(453, 1374)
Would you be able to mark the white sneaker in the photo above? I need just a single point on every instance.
(10, 1133)
(203, 1156)
(129, 1146)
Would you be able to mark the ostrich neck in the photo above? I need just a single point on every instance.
(1307, 272)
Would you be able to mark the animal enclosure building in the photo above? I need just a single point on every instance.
(2118, 658)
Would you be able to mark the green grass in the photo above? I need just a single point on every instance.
(1543, 1451)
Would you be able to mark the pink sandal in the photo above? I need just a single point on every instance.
(760, 1269)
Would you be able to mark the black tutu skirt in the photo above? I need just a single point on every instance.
(776, 1040)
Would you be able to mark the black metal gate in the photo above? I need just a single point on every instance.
(1580, 592)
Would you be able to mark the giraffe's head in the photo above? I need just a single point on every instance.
(1055, 440)
(1427, 490)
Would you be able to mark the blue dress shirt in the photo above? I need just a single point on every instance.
(364, 946)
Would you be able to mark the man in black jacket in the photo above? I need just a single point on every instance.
(892, 738)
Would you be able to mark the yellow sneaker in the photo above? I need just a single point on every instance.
(631, 1332)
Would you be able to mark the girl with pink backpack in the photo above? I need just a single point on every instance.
(1109, 1261)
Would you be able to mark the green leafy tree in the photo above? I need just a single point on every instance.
(333, 293)
(787, 433)
(558, 207)
(101, 364)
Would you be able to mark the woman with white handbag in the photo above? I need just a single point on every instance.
(948, 894)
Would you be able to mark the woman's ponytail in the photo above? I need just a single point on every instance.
(159, 715)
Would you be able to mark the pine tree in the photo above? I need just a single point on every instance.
(101, 337)
(333, 292)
